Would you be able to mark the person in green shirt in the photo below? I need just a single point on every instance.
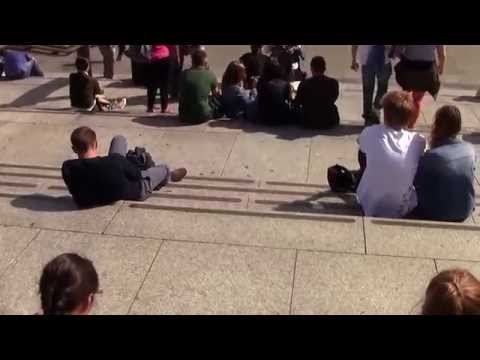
(197, 87)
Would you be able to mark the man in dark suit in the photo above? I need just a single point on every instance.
(316, 96)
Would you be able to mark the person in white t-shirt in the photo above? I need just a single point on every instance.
(375, 64)
(389, 156)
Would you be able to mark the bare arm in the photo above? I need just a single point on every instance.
(442, 58)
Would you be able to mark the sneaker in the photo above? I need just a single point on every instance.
(178, 174)
(119, 104)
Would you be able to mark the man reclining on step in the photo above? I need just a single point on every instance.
(86, 92)
(100, 180)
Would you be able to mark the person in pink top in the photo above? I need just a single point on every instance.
(158, 77)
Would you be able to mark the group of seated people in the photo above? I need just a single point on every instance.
(399, 179)
(256, 87)
(273, 100)
(70, 283)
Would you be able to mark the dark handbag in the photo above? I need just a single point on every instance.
(341, 180)
(140, 158)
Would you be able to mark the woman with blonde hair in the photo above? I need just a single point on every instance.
(446, 172)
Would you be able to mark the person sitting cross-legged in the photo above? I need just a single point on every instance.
(100, 180)
(86, 92)
(316, 96)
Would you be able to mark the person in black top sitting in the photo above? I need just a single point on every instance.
(86, 92)
(316, 96)
(100, 180)
(254, 62)
(274, 95)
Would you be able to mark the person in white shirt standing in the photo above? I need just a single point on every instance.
(375, 65)
(389, 155)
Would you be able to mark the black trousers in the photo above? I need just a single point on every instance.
(158, 78)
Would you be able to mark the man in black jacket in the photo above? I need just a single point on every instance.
(316, 96)
(99, 180)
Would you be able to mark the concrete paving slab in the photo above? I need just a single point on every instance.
(52, 212)
(259, 156)
(121, 263)
(13, 240)
(244, 228)
(323, 202)
(328, 151)
(469, 119)
(189, 278)
(35, 144)
(422, 239)
(201, 153)
(472, 266)
(358, 284)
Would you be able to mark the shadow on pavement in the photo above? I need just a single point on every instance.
(37, 94)
(315, 205)
(44, 203)
(286, 132)
(160, 121)
(474, 99)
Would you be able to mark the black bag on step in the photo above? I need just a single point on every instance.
(341, 179)
(140, 158)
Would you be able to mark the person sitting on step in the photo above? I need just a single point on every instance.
(445, 177)
(316, 96)
(100, 180)
(86, 92)
(389, 156)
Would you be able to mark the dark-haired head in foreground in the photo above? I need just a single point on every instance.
(68, 286)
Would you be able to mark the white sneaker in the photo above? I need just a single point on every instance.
(122, 103)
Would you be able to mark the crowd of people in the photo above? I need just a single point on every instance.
(70, 283)
(402, 174)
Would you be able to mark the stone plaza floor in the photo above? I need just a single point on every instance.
(253, 229)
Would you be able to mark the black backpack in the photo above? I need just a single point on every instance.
(341, 179)
(140, 158)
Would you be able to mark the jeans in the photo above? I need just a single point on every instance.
(369, 73)
(152, 179)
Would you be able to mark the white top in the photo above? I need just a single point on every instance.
(386, 188)
(363, 51)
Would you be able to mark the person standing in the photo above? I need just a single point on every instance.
(419, 71)
(375, 66)
(108, 60)
(175, 70)
(158, 74)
